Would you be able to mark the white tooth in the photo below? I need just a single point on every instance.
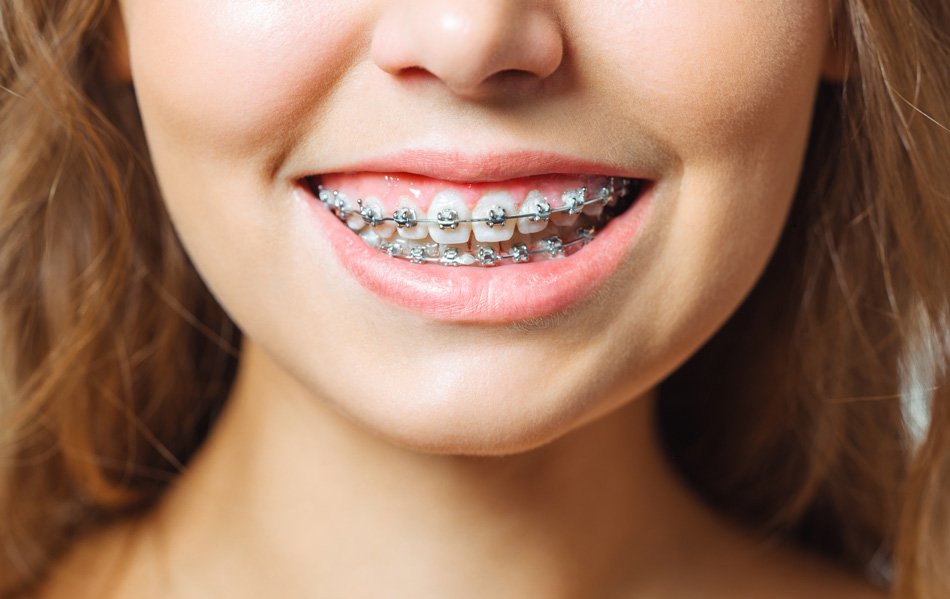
(494, 201)
(418, 231)
(354, 221)
(457, 255)
(447, 201)
(370, 237)
(596, 208)
(529, 206)
(490, 249)
(383, 229)
(565, 218)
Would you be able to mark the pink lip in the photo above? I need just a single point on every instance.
(474, 294)
(484, 295)
(498, 166)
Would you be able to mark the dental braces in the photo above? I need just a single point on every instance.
(448, 218)
(485, 255)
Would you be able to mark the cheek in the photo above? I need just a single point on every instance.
(730, 86)
(717, 72)
(228, 75)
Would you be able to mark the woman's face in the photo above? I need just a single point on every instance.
(423, 100)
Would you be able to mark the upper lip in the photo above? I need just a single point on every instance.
(493, 166)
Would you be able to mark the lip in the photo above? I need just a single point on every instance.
(459, 167)
(484, 295)
(501, 294)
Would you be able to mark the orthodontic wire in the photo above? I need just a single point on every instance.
(372, 216)
(553, 246)
(486, 255)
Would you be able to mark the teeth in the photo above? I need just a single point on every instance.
(529, 206)
(373, 210)
(487, 253)
(597, 207)
(520, 234)
(417, 254)
(519, 253)
(586, 234)
(408, 212)
(553, 245)
(518, 250)
(370, 237)
(352, 217)
(455, 255)
(448, 208)
(399, 247)
(574, 200)
(563, 219)
(494, 205)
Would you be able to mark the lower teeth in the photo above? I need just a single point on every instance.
(552, 246)
(551, 243)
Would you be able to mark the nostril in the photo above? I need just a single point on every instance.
(507, 84)
(512, 76)
(413, 73)
(509, 79)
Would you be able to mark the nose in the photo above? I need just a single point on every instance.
(474, 47)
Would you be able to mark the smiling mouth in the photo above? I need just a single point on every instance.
(428, 221)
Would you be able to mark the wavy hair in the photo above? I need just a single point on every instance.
(793, 419)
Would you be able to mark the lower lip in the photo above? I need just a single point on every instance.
(485, 295)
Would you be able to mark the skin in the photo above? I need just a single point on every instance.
(432, 478)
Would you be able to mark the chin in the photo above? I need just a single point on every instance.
(476, 417)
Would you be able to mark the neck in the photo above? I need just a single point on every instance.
(287, 489)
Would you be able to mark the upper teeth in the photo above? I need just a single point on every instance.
(406, 219)
(340, 203)
(574, 200)
(503, 230)
(448, 220)
(490, 215)
(539, 209)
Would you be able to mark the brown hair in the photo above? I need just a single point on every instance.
(115, 358)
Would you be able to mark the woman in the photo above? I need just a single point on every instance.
(474, 299)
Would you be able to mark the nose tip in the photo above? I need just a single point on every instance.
(471, 47)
